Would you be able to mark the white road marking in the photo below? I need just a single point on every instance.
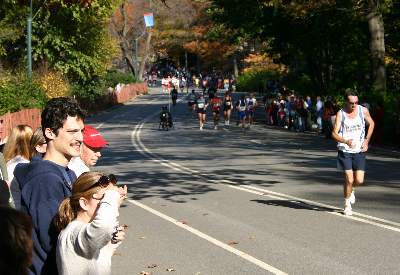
(254, 192)
(210, 239)
(323, 205)
(335, 211)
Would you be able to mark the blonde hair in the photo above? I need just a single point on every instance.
(18, 142)
(84, 187)
(36, 139)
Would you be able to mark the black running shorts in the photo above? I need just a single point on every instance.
(351, 161)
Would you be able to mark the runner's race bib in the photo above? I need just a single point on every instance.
(200, 105)
(228, 103)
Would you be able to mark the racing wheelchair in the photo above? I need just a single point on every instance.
(165, 119)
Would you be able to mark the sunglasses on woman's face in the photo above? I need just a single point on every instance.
(105, 180)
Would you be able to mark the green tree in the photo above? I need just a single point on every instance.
(327, 40)
(70, 36)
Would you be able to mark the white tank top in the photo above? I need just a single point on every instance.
(352, 128)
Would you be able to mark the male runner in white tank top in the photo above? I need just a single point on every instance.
(349, 132)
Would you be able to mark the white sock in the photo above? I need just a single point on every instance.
(347, 202)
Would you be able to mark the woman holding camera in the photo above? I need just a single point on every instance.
(89, 226)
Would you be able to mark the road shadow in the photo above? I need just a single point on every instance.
(296, 204)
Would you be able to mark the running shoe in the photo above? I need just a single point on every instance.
(352, 198)
(215, 127)
(201, 128)
(347, 210)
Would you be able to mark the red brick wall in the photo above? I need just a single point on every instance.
(127, 92)
(31, 117)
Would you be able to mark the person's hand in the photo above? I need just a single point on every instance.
(122, 192)
(350, 143)
(119, 234)
(364, 146)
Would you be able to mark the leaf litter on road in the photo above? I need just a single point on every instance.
(233, 242)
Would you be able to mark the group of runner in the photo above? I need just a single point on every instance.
(169, 83)
(352, 130)
(245, 108)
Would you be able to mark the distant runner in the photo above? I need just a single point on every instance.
(201, 106)
(241, 109)
(251, 104)
(228, 106)
(216, 103)
(174, 95)
(164, 84)
(192, 101)
(349, 132)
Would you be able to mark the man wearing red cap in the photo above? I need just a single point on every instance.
(92, 144)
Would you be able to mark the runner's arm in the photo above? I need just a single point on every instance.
(369, 120)
(336, 128)
(371, 123)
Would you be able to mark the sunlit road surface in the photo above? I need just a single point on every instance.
(233, 201)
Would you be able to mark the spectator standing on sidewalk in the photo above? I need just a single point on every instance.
(15, 241)
(37, 144)
(91, 148)
(318, 112)
(328, 117)
(89, 227)
(349, 132)
(3, 168)
(3, 139)
(37, 149)
(5, 194)
(17, 148)
(308, 105)
(45, 183)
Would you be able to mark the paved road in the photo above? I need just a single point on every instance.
(229, 201)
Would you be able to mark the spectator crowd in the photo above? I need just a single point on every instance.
(57, 216)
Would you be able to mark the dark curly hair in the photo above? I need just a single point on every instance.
(15, 242)
(350, 92)
(57, 110)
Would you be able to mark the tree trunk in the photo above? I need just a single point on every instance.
(377, 46)
(145, 56)
(126, 53)
(235, 66)
(124, 44)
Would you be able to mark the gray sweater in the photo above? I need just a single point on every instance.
(85, 248)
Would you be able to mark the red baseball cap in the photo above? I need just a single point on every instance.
(92, 137)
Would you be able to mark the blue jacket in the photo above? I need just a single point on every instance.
(43, 184)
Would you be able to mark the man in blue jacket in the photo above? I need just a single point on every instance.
(45, 183)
